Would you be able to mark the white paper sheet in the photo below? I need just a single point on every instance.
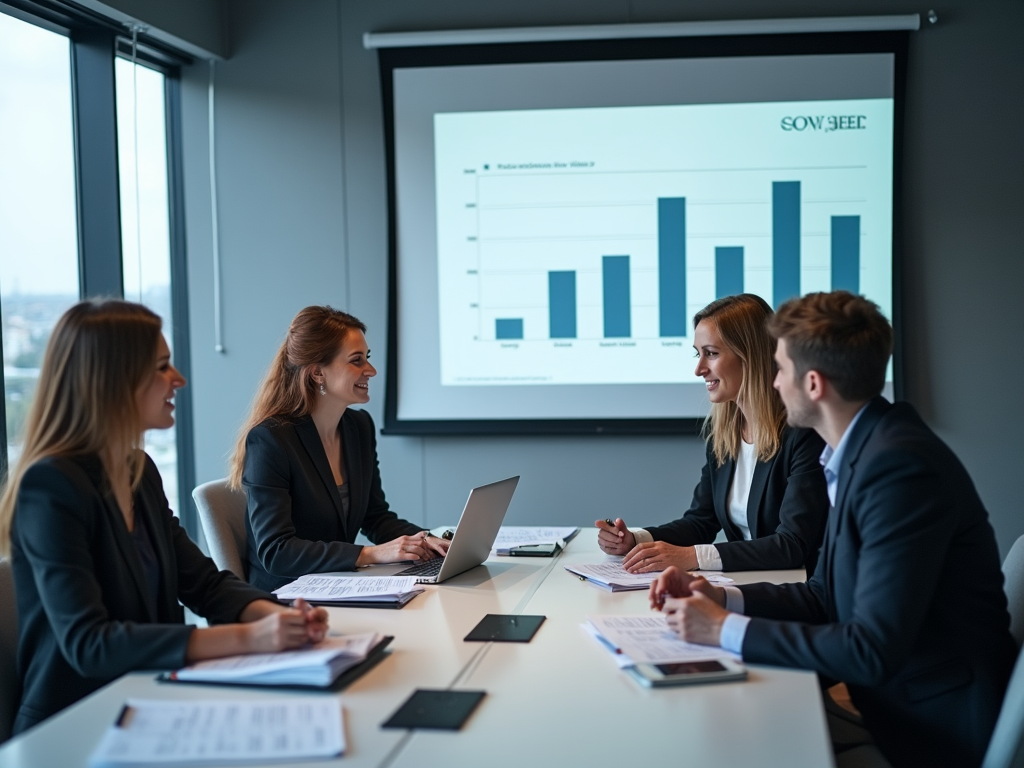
(256, 665)
(223, 732)
(646, 639)
(323, 587)
(611, 573)
(523, 535)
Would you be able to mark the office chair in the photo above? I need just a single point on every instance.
(1006, 748)
(222, 512)
(10, 682)
(1013, 571)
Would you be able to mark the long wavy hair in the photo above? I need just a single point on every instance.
(741, 321)
(288, 391)
(101, 353)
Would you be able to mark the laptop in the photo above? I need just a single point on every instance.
(478, 528)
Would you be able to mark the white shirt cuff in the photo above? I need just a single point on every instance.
(708, 558)
(734, 629)
(641, 535)
(733, 599)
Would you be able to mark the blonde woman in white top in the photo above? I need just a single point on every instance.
(762, 483)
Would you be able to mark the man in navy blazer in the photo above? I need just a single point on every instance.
(906, 605)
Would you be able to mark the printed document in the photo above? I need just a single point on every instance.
(510, 536)
(223, 732)
(611, 575)
(330, 588)
(646, 639)
(319, 664)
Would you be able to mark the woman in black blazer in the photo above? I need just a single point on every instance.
(308, 462)
(762, 482)
(101, 566)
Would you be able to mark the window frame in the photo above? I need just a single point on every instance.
(95, 43)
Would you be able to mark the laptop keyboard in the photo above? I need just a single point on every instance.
(429, 568)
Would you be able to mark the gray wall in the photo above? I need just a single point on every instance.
(303, 220)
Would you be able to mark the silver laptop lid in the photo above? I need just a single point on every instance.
(478, 527)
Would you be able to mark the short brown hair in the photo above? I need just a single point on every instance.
(844, 337)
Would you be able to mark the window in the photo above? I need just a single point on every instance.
(38, 230)
(145, 225)
(78, 215)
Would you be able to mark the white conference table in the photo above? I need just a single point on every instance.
(559, 699)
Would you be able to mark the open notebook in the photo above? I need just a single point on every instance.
(318, 666)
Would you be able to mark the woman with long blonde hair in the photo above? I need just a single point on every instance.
(762, 483)
(101, 566)
(308, 461)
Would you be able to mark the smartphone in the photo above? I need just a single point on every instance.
(687, 672)
(535, 550)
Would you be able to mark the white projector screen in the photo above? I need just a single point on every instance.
(556, 224)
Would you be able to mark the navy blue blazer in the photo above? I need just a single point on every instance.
(906, 605)
(296, 524)
(86, 614)
(786, 510)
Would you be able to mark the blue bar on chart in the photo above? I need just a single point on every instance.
(672, 266)
(562, 304)
(846, 253)
(615, 274)
(728, 271)
(785, 241)
(508, 328)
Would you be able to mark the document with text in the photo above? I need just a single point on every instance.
(510, 536)
(318, 665)
(223, 732)
(611, 575)
(330, 588)
(647, 639)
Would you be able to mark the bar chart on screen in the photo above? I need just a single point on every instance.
(575, 246)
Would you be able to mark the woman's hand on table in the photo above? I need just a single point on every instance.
(283, 628)
(614, 537)
(419, 546)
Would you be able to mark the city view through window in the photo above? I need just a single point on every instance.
(38, 228)
(145, 225)
(39, 265)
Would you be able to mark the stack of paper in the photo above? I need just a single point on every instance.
(227, 732)
(611, 575)
(348, 590)
(319, 665)
(510, 536)
(646, 639)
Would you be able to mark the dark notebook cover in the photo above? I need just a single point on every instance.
(503, 628)
(442, 710)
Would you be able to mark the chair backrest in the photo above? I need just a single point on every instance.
(1006, 748)
(222, 512)
(1013, 571)
(10, 682)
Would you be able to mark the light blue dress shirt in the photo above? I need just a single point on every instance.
(734, 628)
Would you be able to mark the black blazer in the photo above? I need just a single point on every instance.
(786, 510)
(295, 524)
(85, 612)
(906, 605)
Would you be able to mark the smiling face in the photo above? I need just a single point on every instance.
(153, 399)
(717, 364)
(347, 376)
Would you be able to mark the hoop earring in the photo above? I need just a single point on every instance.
(322, 390)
